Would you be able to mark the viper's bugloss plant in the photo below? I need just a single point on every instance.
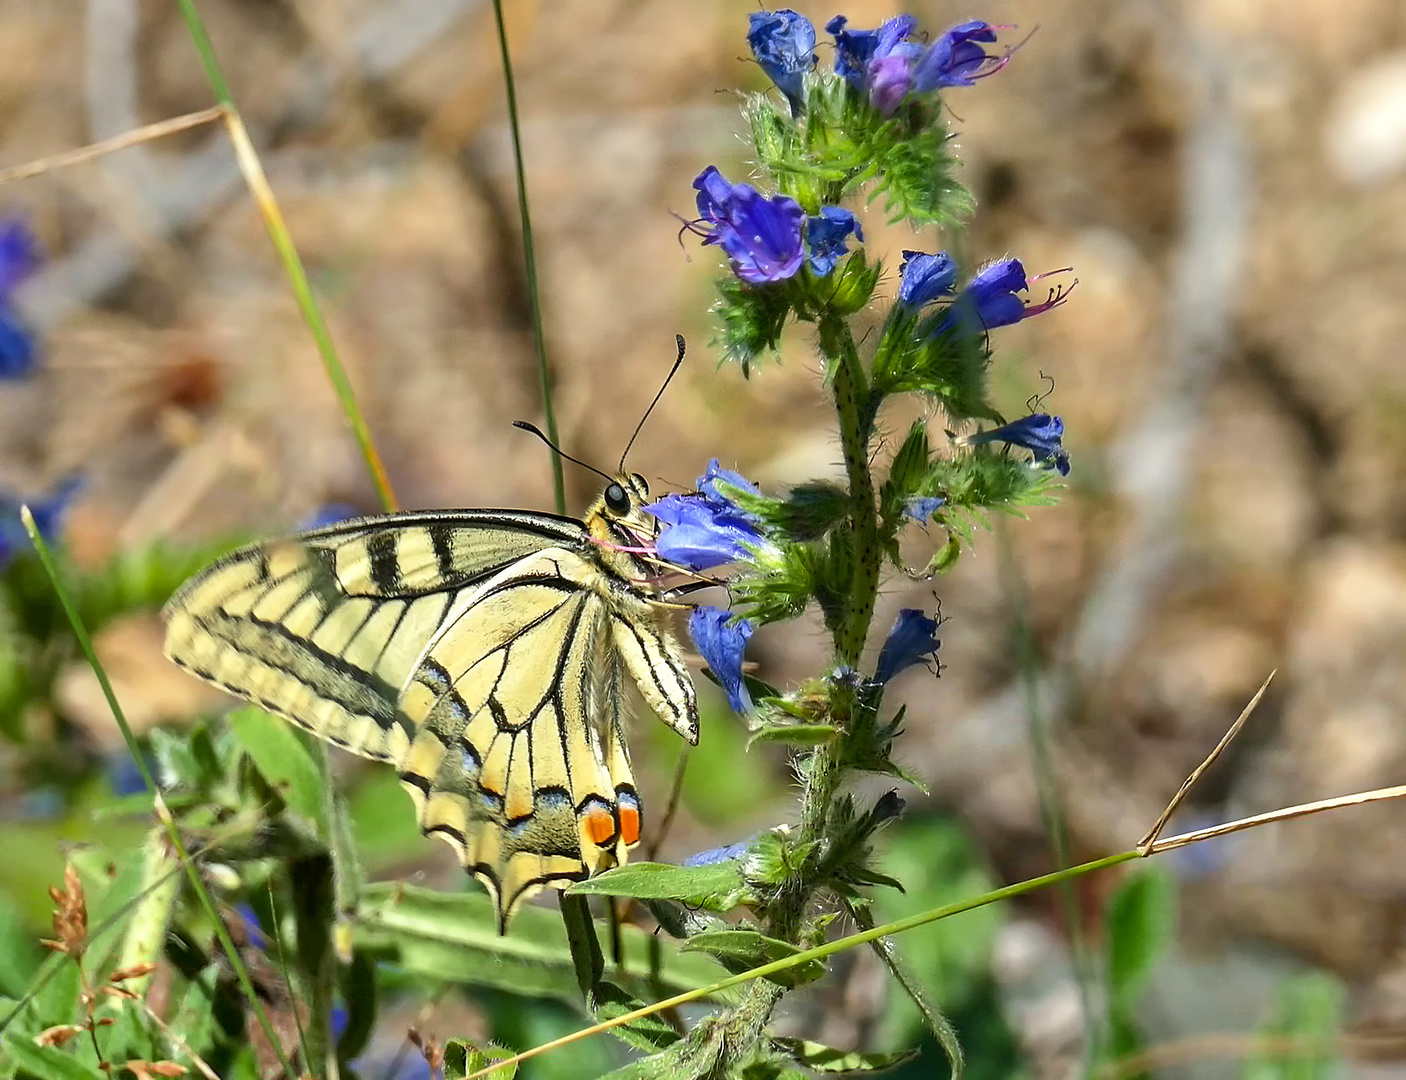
(870, 127)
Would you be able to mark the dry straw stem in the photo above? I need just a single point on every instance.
(126, 140)
(1230, 1045)
(1153, 833)
(1151, 844)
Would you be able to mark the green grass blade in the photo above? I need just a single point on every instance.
(912, 922)
(253, 170)
(85, 643)
(529, 260)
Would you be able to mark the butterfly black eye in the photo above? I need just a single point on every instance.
(616, 501)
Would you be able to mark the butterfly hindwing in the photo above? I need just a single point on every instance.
(519, 759)
(325, 628)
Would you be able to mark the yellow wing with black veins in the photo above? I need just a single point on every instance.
(326, 627)
(519, 759)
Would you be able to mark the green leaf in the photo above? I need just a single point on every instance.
(20, 955)
(49, 1062)
(454, 936)
(827, 1059)
(1140, 923)
(283, 760)
(648, 1033)
(745, 949)
(719, 887)
(1306, 1015)
(463, 1058)
(793, 734)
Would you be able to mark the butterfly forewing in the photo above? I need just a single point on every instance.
(325, 628)
(483, 652)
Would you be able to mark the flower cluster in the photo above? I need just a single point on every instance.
(884, 65)
(766, 237)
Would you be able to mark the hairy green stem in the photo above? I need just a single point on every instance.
(851, 391)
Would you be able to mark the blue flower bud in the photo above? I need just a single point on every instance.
(910, 642)
(783, 43)
(890, 79)
(827, 235)
(955, 58)
(1039, 433)
(924, 278)
(48, 513)
(721, 643)
(923, 507)
(761, 235)
(716, 855)
(857, 50)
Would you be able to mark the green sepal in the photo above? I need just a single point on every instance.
(751, 319)
(845, 290)
(826, 1059)
(986, 479)
(793, 734)
(742, 949)
(719, 887)
(914, 357)
(810, 510)
(464, 1058)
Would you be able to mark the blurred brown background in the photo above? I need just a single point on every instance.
(1228, 181)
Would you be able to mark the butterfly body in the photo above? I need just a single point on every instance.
(485, 653)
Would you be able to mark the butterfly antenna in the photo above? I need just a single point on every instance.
(640, 426)
(525, 426)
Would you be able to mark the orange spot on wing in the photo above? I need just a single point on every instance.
(629, 825)
(600, 825)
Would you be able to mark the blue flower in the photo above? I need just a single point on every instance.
(721, 643)
(48, 514)
(330, 514)
(705, 528)
(716, 855)
(20, 254)
(1038, 433)
(827, 235)
(18, 355)
(956, 58)
(19, 257)
(924, 278)
(923, 507)
(783, 43)
(910, 642)
(990, 300)
(761, 235)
